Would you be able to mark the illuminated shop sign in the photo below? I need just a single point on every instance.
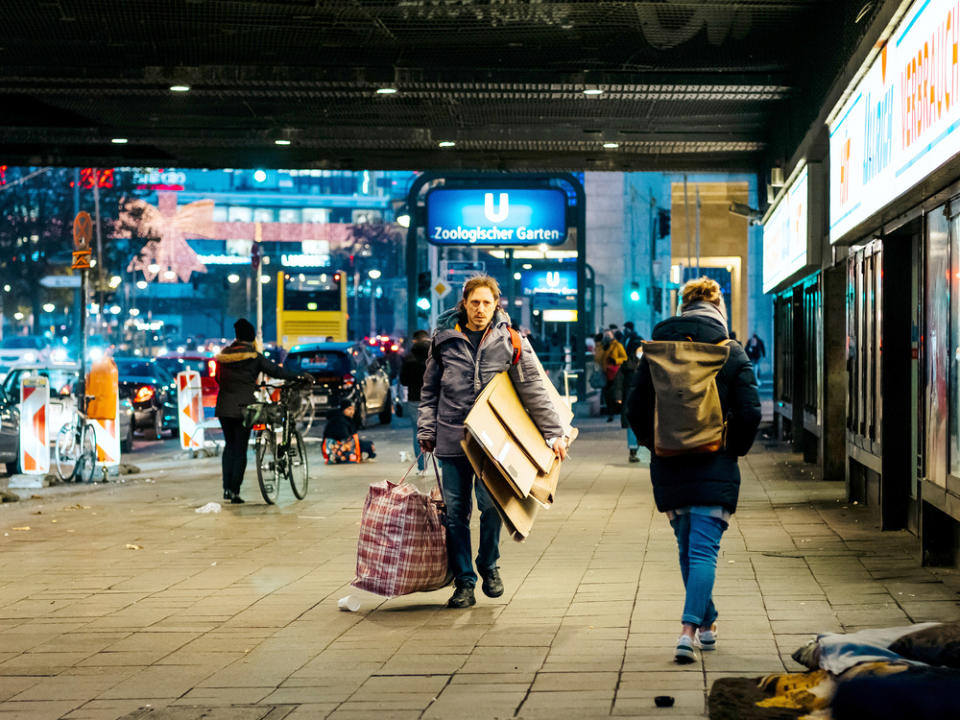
(224, 259)
(786, 232)
(902, 120)
(304, 261)
(553, 282)
(496, 217)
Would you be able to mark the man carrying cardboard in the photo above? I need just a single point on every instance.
(472, 344)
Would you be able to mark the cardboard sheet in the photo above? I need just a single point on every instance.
(518, 514)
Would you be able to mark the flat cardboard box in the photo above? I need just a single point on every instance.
(518, 514)
(509, 454)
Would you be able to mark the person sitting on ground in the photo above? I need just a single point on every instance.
(341, 426)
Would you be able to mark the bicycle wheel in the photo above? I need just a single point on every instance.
(87, 459)
(297, 468)
(266, 450)
(304, 415)
(67, 451)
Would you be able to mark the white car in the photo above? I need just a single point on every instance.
(16, 349)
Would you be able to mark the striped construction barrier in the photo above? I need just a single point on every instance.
(107, 433)
(34, 411)
(190, 410)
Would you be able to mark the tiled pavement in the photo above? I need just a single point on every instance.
(237, 611)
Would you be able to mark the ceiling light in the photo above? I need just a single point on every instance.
(281, 142)
(593, 91)
(447, 143)
(259, 175)
(179, 88)
(611, 145)
(118, 141)
(386, 91)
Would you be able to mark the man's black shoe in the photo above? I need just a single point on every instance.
(492, 584)
(227, 495)
(236, 499)
(462, 598)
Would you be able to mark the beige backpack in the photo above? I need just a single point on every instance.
(688, 417)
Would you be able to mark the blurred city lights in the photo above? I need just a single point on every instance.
(374, 274)
(233, 278)
(49, 307)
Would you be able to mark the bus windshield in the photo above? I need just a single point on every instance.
(312, 292)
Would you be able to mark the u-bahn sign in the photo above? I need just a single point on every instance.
(496, 216)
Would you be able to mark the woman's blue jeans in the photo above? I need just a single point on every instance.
(458, 481)
(698, 540)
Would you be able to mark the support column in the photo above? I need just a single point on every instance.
(833, 399)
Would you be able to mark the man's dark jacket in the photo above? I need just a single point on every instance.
(700, 479)
(413, 368)
(238, 368)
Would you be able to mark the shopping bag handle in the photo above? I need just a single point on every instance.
(436, 470)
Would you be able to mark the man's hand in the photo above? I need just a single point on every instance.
(427, 445)
(560, 448)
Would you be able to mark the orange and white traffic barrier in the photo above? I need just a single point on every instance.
(34, 410)
(107, 434)
(190, 410)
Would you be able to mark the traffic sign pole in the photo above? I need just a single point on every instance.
(82, 234)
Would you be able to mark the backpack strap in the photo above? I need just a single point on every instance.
(517, 342)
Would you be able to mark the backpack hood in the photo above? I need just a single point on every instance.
(691, 327)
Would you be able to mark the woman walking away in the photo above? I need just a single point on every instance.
(238, 369)
(693, 465)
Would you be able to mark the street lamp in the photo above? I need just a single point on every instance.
(374, 274)
(49, 307)
(6, 288)
(233, 278)
(18, 316)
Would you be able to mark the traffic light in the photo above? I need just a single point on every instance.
(635, 292)
(423, 291)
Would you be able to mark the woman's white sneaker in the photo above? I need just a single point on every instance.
(706, 640)
(684, 654)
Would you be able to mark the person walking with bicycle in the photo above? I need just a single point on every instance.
(239, 365)
(472, 345)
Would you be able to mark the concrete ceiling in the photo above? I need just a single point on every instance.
(685, 85)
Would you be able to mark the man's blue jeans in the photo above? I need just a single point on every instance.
(698, 539)
(458, 481)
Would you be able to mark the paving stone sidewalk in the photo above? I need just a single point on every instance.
(124, 602)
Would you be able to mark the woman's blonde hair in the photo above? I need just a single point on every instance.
(479, 281)
(701, 289)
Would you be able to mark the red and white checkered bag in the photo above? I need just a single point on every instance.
(402, 546)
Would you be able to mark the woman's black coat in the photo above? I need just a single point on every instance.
(699, 479)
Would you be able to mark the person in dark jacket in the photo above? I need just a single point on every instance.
(239, 367)
(471, 346)
(340, 425)
(699, 492)
(411, 377)
(633, 345)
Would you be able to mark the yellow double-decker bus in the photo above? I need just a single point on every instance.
(311, 307)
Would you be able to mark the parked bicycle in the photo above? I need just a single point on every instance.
(280, 451)
(76, 450)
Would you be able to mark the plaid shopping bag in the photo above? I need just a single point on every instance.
(402, 546)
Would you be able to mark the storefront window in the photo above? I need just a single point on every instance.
(264, 214)
(290, 215)
(954, 345)
(240, 214)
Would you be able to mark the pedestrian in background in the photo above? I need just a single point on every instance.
(411, 377)
(340, 426)
(756, 351)
(610, 355)
(471, 345)
(699, 491)
(628, 371)
(239, 366)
